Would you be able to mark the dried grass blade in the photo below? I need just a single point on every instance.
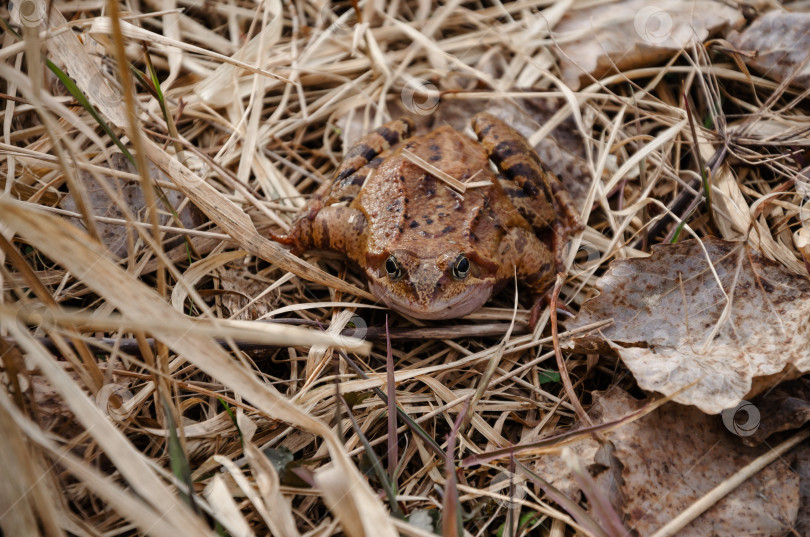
(451, 507)
(421, 433)
(393, 441)
(376, 463)
(103, 26)
(555, 442)
(451, 181)
(280, 521)
(128, 460)
(597, 499)
(67, 50)
(225, 509)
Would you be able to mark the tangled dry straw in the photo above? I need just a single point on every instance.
(130, 403)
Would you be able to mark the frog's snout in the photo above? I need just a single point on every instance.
(427, 291)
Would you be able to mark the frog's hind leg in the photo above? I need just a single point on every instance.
(538, 215)
(363, 157)
(545, 195)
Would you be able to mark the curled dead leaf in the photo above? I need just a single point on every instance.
(633, 33)
(781, 41)
(736, 326)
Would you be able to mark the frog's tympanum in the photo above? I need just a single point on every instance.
(427, 250)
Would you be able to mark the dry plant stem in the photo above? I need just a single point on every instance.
(393, 445)
(555, 339)
(720, 491)
(702, 170)
(146, 185)
(451, 515)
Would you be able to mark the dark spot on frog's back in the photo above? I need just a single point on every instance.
(374, 163)
(345, 173)
(435, 158)
(428, 220)
(448, 229)
(519, 169)
(413, 224)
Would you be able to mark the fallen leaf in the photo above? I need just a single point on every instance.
(674, 325)
(781, 40)
(632, 33)
(114, 234)
(654, 468)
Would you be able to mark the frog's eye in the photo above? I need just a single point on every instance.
(392, 268)
(461, 267)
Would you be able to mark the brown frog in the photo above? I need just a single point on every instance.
(427, 250)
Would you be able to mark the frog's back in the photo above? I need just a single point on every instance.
(408, 208)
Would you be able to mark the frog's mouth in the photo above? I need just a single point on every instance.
(436, 307)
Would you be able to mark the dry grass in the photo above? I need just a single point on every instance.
(104, 353)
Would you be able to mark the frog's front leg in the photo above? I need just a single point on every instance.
(335, 227)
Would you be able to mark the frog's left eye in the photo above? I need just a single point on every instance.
(461, 267)
(392, 268)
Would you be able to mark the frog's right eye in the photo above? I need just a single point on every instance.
(392, 268)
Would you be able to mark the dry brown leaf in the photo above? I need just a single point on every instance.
(129, 192)
(673, 324)
(632, 33)
(653, 468)
(781, 41)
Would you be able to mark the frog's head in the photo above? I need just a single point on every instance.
(431, 286)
